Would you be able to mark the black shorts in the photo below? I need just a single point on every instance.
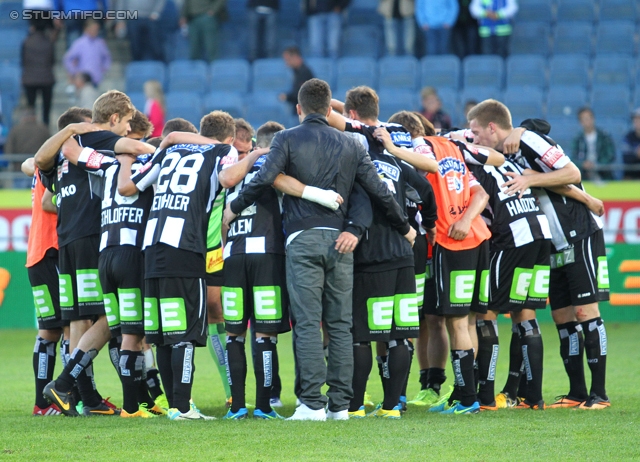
(80, 289)
(520, 277)
(430, 305)
(255, 289)
(122, 277)
(43, 277)
(214, 279)
(579, 274)
(175, 310)
(385, 306)
(420, 266)
(462, 280)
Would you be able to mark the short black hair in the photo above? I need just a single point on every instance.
(178, 125)
(293, 50)
(266, 132)
(584, 109)
(73, 115)
(314, 97)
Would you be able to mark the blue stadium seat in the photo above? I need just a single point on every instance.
(563, 131)
(357, 71)
(393, 100)
(11, 45)
(530, 38)
(138, 72)
(636, 99)
(263, 107)
(613, 70)
(534, 10)
(479, 94)
(440, 71)
(615, 37)
(225, 101)
(187, 105)
(323, 68)
(10, 75)
(618, 10)
(573, 37)
(563, 101)
(569, 70)
(449, 98)
(271, 75)
(526, 70)
(610, 101)
(398, 72)
(363, 12)
(485, 71)
(361, 40)
(138, 99)
(5, 19)
(576, 10)
(185, 75)
(524, 103)
(617, 128)
(230, 75)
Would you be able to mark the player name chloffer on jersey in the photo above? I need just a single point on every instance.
(186, 178)
(569, 220)
(258, 228)
(513, 222)
(123, 218)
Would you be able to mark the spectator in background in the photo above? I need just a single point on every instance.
(467, 107)
(154, 107)
(398, 14)
(27, 135)
(631, 148)
(74, 25)
(464, 36)
(89, 54)
(301, 73)
(263, 28)
(203, 18)
(495, 18)
(436, 18)
(325, 25)
(86, 94)
(42, 14)
(144, 32)
(592, 148)
(37, 68)
(432, 109)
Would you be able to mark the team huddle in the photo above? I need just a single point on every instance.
(200, 237)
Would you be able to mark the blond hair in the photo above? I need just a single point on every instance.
(110, 103)
(491, 110)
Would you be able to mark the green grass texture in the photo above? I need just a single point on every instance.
(508, 434)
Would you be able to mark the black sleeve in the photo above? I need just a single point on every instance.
(425, 191)
(48, 179)
(100, 140)
(367, 177)
(360, 212)
(537, 125)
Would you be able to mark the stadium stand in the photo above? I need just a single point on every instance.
(323, 68)
(225, 101)
(526, 70)
(570, 69)
(187, 105)
(485, 71)
(230, 75)
(188, 76)
(401, 72)
(440, 71)
(137, 73)
(271, 75)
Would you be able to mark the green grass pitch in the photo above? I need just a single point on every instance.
(561, 434)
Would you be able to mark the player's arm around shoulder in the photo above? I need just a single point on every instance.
(126, 187)
(45, 157)
(135, 147)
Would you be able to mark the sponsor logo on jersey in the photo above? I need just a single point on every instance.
(401, 138)
(355, 124)
(450, 164)
(389, 170)
(454, 183)
(63, 168)
(145, 167)
(423, 149)
(228, 160)
(260, 161)
(94, 160)
(215, 261)
(552, 156)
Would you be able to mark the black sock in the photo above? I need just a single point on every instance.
(64, 351)
(44, 362)
(398, 366)
(383, 370)
(423, 379)
(435, 378)
(76, 363)
(572, 352)
(144, 397)
(406, 382)
(463, 370)
(183, 369)
(515, 364)
(131, 366)
(236, 371)
(115, 345)
(163, 360)
(276, 388)
(153, 383)
(362, 363)
(595, 347)
(263, 368)
(533, 354)
(488, 347)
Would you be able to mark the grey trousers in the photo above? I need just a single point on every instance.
(320, 284)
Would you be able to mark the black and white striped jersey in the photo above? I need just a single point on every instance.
(123, 219)
(513, 222)
(569, 220)
(258, 228)
(186, 179)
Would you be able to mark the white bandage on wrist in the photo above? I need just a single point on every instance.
(324, 197)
